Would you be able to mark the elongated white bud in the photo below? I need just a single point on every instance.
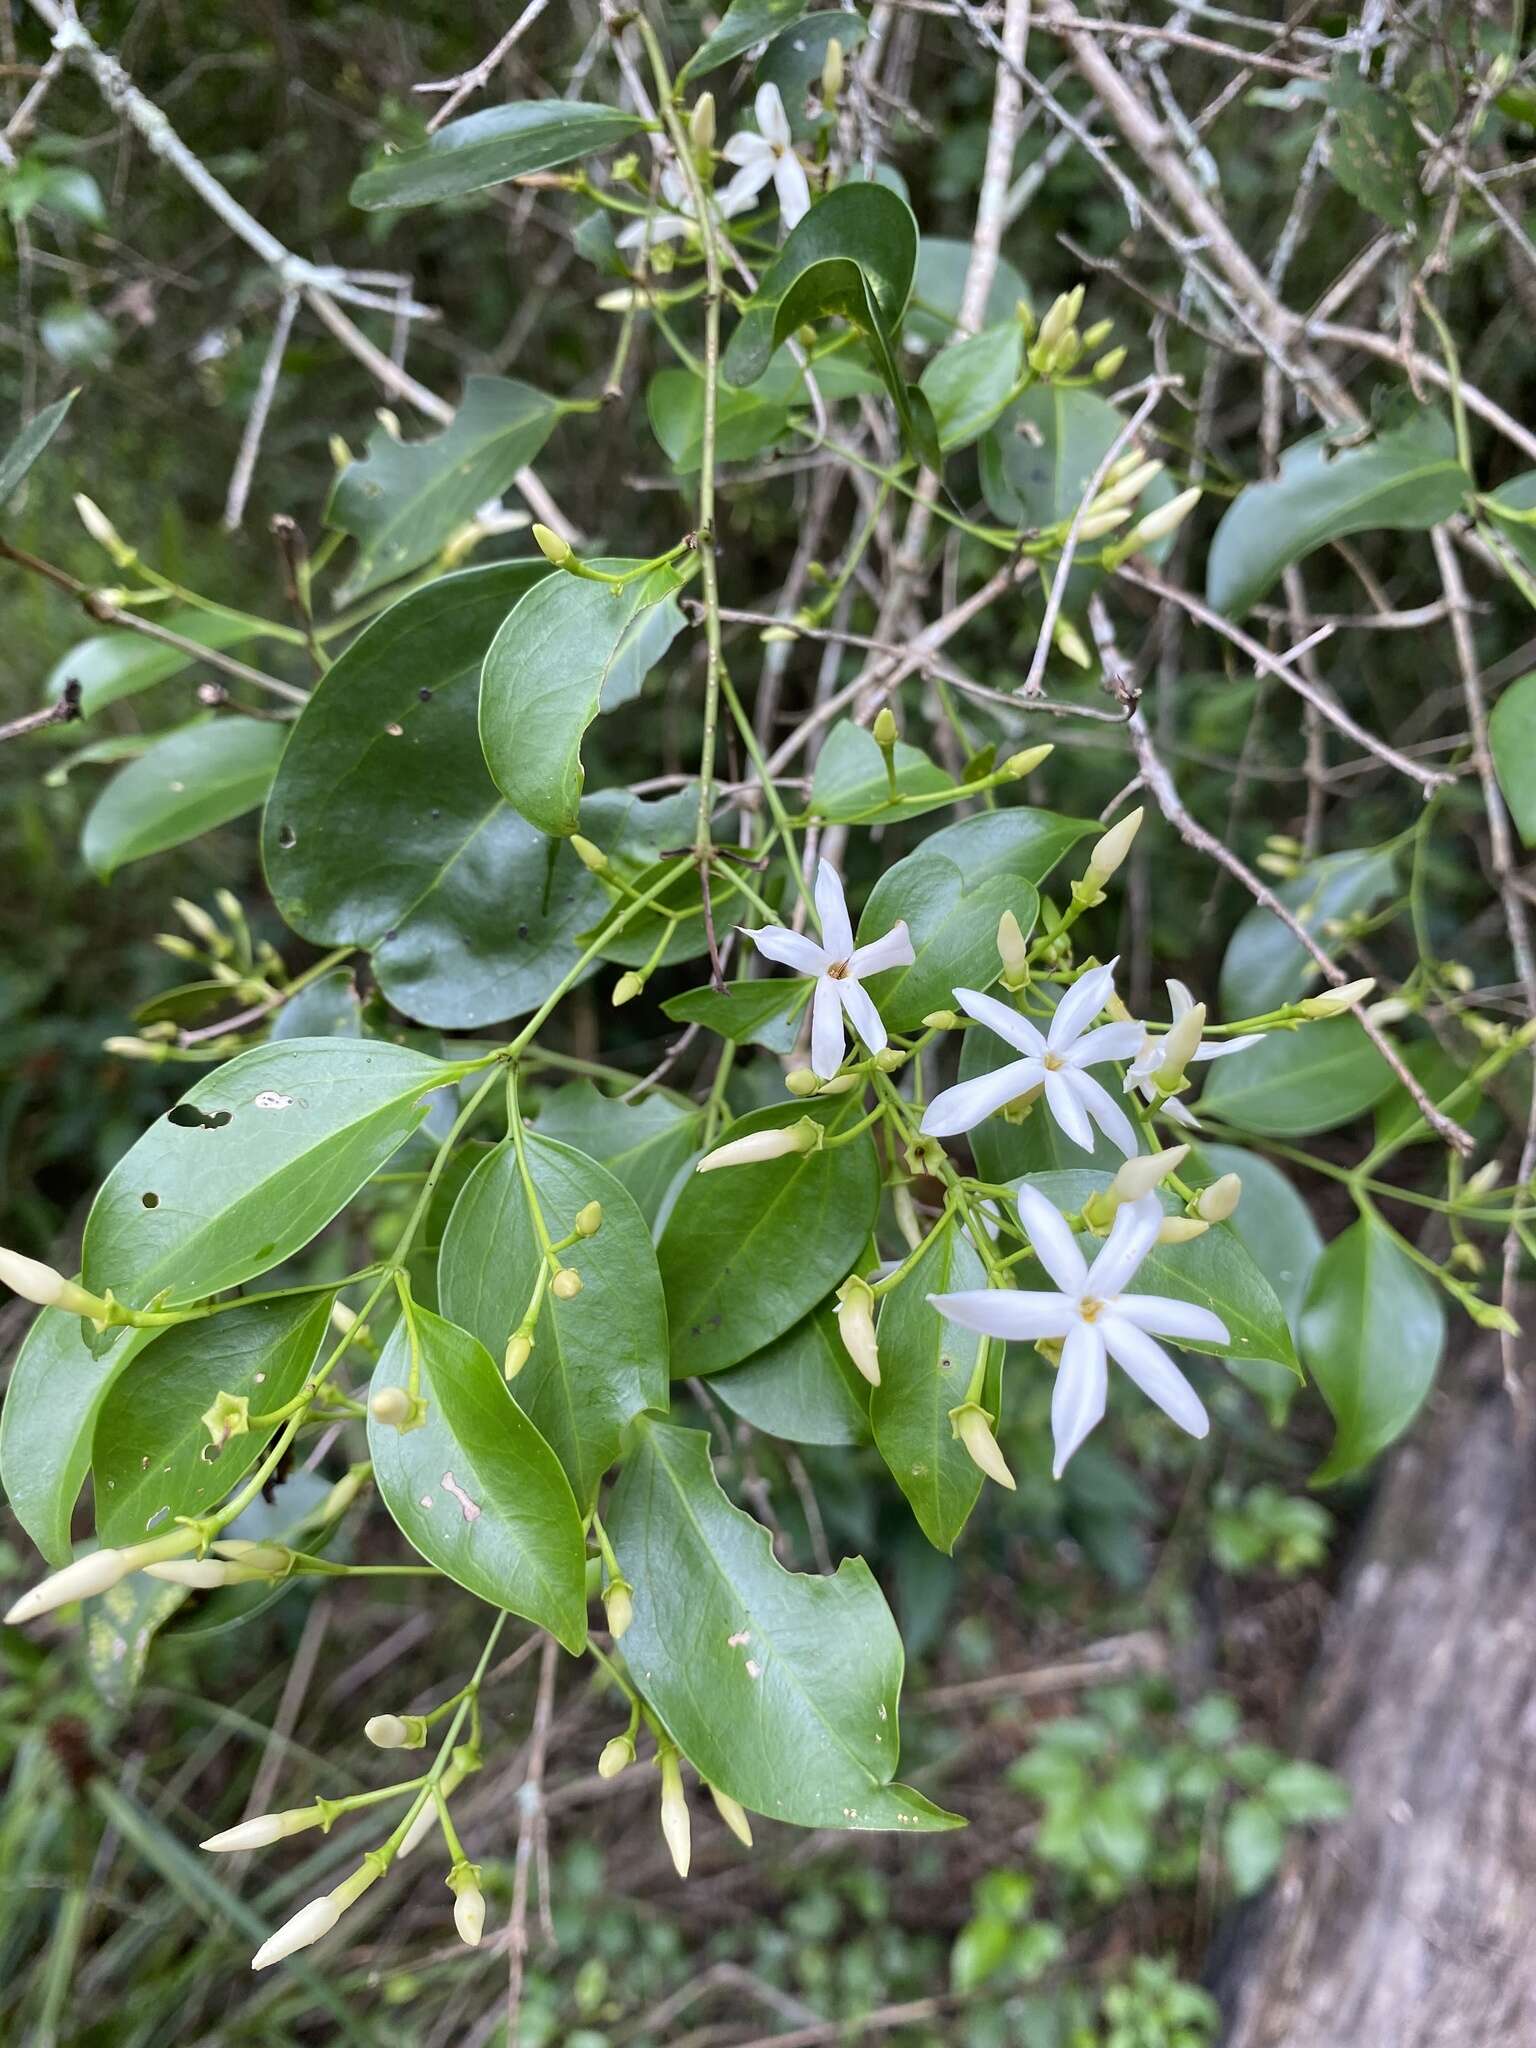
(804, 1136)
(102, 531)
(1060, 317)
(832, 72)
(1026, 761)
(264, 1829)
(1486, 1177)
(1012, 951)
(556, 552)
(1140, 1176)
(972, 1426)
(307, 1926)
(1334, 1002)
(856, 1326)
(701, 123)
(34, 1281)
(1069, 642)
(618, 1606)
(1181, 1229)
(204, 1574)
(468, 1904)
(88, 1576)
(1179, 1048)
(1102, 520)
(1109, 852)
(733, 1814)
(1159, 524)
(1219, 1201)
(675, 1824)
(1126, 489)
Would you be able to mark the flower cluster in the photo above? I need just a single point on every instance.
(761, 157)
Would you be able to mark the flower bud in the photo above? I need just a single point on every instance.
(832, 73)
(701, 123)
(1179, 1048)
(1097, 523)
(1393, 1009)
(97, 1573)
(1057, 321)
(591, 857)
(1333, 1003)
(1012, 951)
(627, 987)
(1140, 1176)
(1110, 364)
(468, 1903)
(856, 1326)
(556, 552)
(392, 1407)
(890, 1059)
(34, 1281)
(343, 1493)
(102, 531)
(340, 453)
(135, 1049)
(674, 1812)
(973, 1428)
(589, 1219)
(1110, 851)
(1219, 1201)
(618, 1754)
(307, 1926)
(1159, 524)
(1180, 1229)
(1025, 762)
(733, 1814)
(1127, 488)
(1069, 642)
(396, 1731)
(1096, 335)
(801, 1081)
(517, 1354)
(941, 1020)
(343, 1319)
(205, 1574)
(566, 1284)
(804, 1136)
(884, 729)
(618, 1606)
(265, 1829)
(1486, 1177)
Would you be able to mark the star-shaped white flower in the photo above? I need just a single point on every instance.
(1057, 1061)
(768, 154)
(1095, 1319)
(1143, 1072)
(839, 968)
(649, 229)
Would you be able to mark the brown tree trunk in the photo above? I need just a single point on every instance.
(1412, 1924)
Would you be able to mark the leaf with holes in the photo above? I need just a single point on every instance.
(255, 1159)
(489, 148)
(476, 1489)
(782, 1689)
(185, 785)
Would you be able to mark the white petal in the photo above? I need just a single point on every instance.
(1051, 1236)
(1061, 1100)
(862, 1014)
(970, 1103)
(674, 189)
(1149, 1365)
(832, 910)
(793, 188)
(1105, 1111)
(1131, 1236)
(1176, 1112)
(1001, 1018)
(1180, 1001)
(663, 227)
(1106, 1042)
(771, 117)
(1080, 1005)
(1185, 1321)
(746, 148)
(999, 1312)
(1077, 1400)
(790, 949)
(1218, 1049)
(743, 189)
(894, 950)
(827, 1039)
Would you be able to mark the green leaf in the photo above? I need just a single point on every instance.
(763, 1013)
(1510, 509)
(1215, 1271)
(851, 778)
(548, 673)
(30, 443)
(109, 666)
(51, 1403)
(1440, 1075)
(1405, 478)
(1374, 151)
(971, 382)
(1512, 742)
(1372, 1331)
(1252, 1843)
(491, 147)
(185, 785)
(1276, 1226)
(470, 914)
(925, 1368)
(1299, 1082)
(748, 1250)
(120, 1630)
(782, 1689)
(1037, 461)
(744, 23)
(1300, 1792)
(476, 1489)
(405, 499)
(152, 1458)
(1265, 964)
(746, 422)
(598, 1359)
(794, 64)
(256, 1158)
(803, 1387)
(942, 263)
(643, 1144)
(852, 257)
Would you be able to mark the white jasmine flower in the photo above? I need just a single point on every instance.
(768, 154)
(1143, 1072)
(1095, 1319)
(1056, 1060)
(648, 229)
(839, 968)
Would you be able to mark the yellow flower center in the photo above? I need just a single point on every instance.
(838, 971)
(1053, 1062)
(1089, 1309)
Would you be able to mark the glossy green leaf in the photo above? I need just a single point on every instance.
(185, 785)
(1299, 1082)
(476, 1489)
(1276, 1225)
(109, 666)
(405, 499)
(925, 1369)
(489, 148)
(643, 1144)
(802, 1388)
(55, 1391)
(30, 443)
(1215, 1271)
(548, 673)
(746, 422)
(1265, 965)
(766, 1013)
(1512, 742)
(598, 1359)
(1374, 149)
(851, 778)
(257, 1157)
(1039, 458)
(328, 1008)
(1372, 1330)
(971, 382)
(1405, 478)
(794, 63)
(152, 1458)
(748, 1250)
(744, 23)
(942, 263)
(782, 1689)
(1440, 1075)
